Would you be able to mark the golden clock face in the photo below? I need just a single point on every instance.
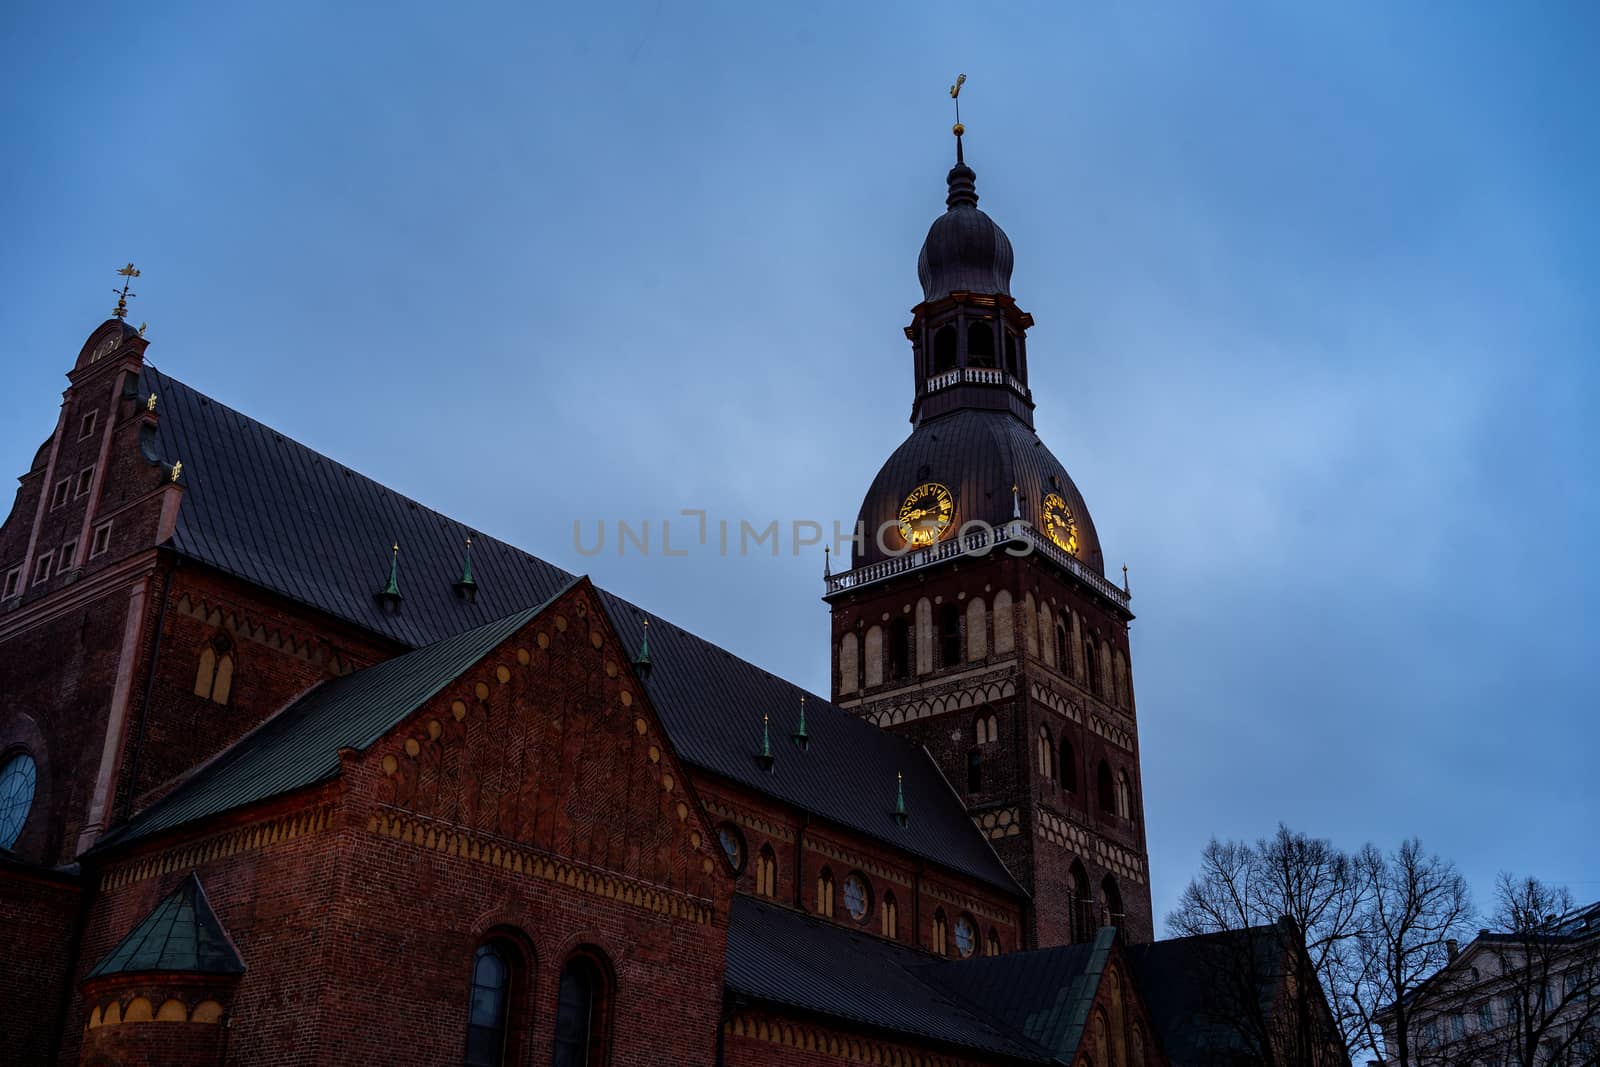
(1059, 523)
(926, 514)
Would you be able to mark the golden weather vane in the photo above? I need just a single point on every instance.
(955, 94)
(129, 273)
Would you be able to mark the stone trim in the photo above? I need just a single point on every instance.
(228, 843)
(518, 859)
(944, 701)
(1065, 833)
(998, 823)
(238, 622)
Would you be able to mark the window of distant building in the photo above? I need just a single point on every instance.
(944, 349)
(18, 777)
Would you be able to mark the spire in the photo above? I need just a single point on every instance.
(827, 562)
(641, 662)
(961, 179)
(1125, 590)
(465, 587)
(900, 814)
(765, 756)
(389, 596)
(801, 739)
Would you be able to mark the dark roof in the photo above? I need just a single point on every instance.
(271, 511)
(782, 957)
(1044, 994)
(965, 250)
(1194, 1008)
(300, 746)
(181, 933)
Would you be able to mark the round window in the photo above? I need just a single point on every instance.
(17, 778)
(966, 937)
(732, 845)
(856, 897)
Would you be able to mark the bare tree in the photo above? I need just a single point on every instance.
(1417, 906)
(1527, 991)
(1293, 904)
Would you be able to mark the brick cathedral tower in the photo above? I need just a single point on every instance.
(976, 618)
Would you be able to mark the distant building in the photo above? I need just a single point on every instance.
(293, 770)
(1509, 998)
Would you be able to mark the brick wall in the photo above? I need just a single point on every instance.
(38, 917)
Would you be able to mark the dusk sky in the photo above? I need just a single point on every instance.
(1315, 290)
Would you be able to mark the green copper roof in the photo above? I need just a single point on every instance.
(181, 934)
(393, 588)
(466, 567)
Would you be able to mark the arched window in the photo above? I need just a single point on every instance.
(991, 947)
(1124, 795)
(825, 893)
(1111, 902)
(18, 777)
(213, 678)
(1081, 904)
(949, 635)
(941, 934)
(1105, 792)
(490, 1005)
(974, 771)
(849, 663)
(899, 650)
(1119, 668)
(980, 343)
(583, 1011)
(1046, 753)
(889, 913)
(1068, 770)
(944, 349)
(986, 729)
(1011, 354)
(766, 872)
(1063, 648)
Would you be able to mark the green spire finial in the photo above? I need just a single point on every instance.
(800, 737)
(765, 756)
(641, 662)
(390, 593)
(900, 814)
(466, 588)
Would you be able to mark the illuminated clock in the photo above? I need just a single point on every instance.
(926, 514)
(1059, 523)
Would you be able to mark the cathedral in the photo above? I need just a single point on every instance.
(295, 770)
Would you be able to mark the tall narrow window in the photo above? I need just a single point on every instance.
(102, 539)
(1046, 753)
(1111, 902)
(1105, 792)
(486, 1019)
(980, 343)
(59, 497)
(1011, 353)
(974, 771)
(1124, 795)
(85, 480)
(1082, 904)
(67, 557)
(581, 1014)
(987, 729)
(1068, 770)
(86, 427)
(213, 678)
(944, 349)
(1091, 666)
(899, 650)
(825, 893)
(13, 582)
(889, 912)
(991, 947)
(941, 934)
(1063, 648)
(766, 872)
(949, 635)
(41, 568)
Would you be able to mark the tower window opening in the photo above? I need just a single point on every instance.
(1105, 791)
(974, 771)
(1111, 902)
(944, 349)
(1063, 648)
(1068, 771)
(1091, 666)
(986, 729)
(980, 343)
(950, 643)
(1081, 905)
(1011, 354)
(1046, 754)
(899, 650)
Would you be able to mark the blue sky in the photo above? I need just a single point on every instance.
(1316, 334)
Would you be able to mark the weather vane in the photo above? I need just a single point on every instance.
(955, 94)
(130, 272)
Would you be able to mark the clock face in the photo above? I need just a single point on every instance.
(926, 514)
(1059, 523)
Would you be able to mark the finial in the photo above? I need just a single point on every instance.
(465, 587)
(129, 273)
(641, 662)
(1016, 502)
(827, 562)
(177, 471)
(389, 596)
(150, 404)
(765, 756)
(801, 739)
(958, 129)
(901, 816)
(1125, 590)
(143, 326)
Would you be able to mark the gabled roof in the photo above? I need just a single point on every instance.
(181, 934)
(1185, 987)
(781, 957)
(272, 512)
(300, 745)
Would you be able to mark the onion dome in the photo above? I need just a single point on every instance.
(965, 251)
